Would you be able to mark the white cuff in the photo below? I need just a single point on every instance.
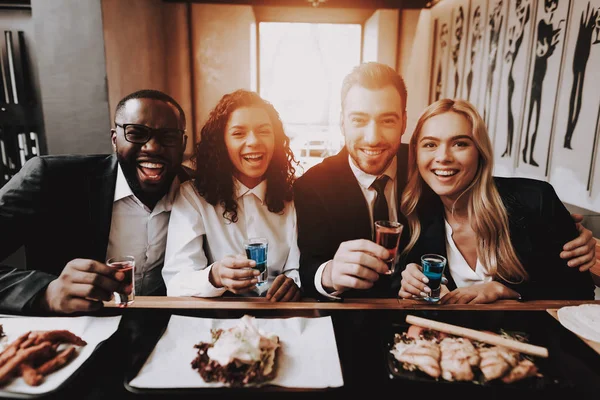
(319, 285)
(194, 283)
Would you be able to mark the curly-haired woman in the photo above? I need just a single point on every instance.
(242, 189)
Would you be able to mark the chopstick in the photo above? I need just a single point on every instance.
(478, 335)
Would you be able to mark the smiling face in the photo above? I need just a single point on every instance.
(250, 142)
(148, 168)
(373, 122)
(447, 156)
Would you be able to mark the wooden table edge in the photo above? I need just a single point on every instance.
(259, 303)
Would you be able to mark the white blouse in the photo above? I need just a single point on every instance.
(196, 226)
(460, 270)
(138, 231)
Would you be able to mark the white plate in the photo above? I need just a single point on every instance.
(583, 320)
(94, 330)
(308, 357)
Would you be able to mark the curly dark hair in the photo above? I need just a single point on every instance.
(214, 169)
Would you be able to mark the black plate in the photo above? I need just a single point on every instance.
(396, 370)
(551, 376)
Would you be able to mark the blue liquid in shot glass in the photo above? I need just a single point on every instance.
(258, 252)
(433, 269)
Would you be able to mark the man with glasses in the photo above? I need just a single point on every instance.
(74, 212)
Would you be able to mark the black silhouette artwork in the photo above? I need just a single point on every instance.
(515, 39)
(495, 24)
(589, 23)
(547, 39)
(476, 36)
(459, 23)
(440, 74)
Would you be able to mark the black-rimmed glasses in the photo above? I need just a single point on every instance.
(141, 134)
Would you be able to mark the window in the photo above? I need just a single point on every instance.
(301, 70)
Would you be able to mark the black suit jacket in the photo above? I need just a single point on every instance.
(59, 208)
(539, 227)
(332, 209)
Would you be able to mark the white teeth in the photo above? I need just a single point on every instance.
(253, 156)
(150, 165)
(372, 152)
(445, 172)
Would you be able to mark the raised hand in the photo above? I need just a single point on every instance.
(81, 287)
(414, 282)
(357, 264)
(234, 273)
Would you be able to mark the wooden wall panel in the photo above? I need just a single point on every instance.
(134, 44)
(70, 61)
(178, 64)
(221, 47)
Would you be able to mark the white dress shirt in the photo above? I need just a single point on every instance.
(140, 232)
(365, 181)
(460, 270)
(197, 226)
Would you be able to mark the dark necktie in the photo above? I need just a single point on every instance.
(380, 209)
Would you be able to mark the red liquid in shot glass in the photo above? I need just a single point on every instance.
(389, 238)
(123, 299)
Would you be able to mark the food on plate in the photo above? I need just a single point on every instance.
(458, 357)
(455, 358)
(34, 355)
(420, 354)
(238, 356)
(417, 332)
(496, 361)
(524, 369)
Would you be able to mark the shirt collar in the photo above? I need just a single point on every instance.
(366, 180)
(123, 190)
(260, 190)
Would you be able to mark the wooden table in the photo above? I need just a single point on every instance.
(258, 303)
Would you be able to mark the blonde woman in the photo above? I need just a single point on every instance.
(502, 236)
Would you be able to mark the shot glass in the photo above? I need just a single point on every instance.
(256, 249)
(433, 268)
(387, 234)
(125, 264)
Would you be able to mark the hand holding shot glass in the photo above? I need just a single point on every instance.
(126, 265)
(387, 234)
(256, 249)
(433, 268)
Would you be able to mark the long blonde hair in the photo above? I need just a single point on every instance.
(486, 212)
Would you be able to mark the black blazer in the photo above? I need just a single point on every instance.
(539, 226)
(332, 209)
(59, 208)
